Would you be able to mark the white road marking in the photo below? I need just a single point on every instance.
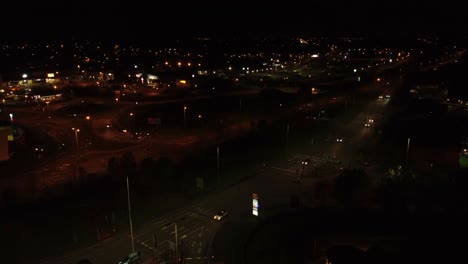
(281, 169)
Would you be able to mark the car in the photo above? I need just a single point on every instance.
(132, 258)
(367, 124)
(220, 215)
(339, 139)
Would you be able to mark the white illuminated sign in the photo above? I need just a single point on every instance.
(255, 204)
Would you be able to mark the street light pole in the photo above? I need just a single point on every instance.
(77, 130)
(77, 170)
(287, 139)
(217, 155)
(185, 117)
(176, 240)
(407, 151)
(130, 217)
(176, 243)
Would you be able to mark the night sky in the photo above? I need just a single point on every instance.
(158, 19)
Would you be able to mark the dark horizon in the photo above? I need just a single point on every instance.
(150, 21)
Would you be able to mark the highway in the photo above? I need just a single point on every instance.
(275, 184)
(279, 182)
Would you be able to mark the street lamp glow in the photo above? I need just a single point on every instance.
(77, 142)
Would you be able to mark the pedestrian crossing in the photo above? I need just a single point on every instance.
(193, 226)
(295, 167)
(300, 157)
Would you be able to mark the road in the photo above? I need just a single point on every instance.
(280, 182)
(57, 172)
(355, 136)
(194, 222)
(195, 225)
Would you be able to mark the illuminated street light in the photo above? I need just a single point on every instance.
(304, 164)
(77, 130)
(77, 151)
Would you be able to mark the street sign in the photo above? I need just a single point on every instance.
(255, 204)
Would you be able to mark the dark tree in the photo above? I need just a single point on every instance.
(164, 169)
(113, 167)
(148, 169)
(395, 192)
(84, 261)
(350, 186)
(129, 165)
